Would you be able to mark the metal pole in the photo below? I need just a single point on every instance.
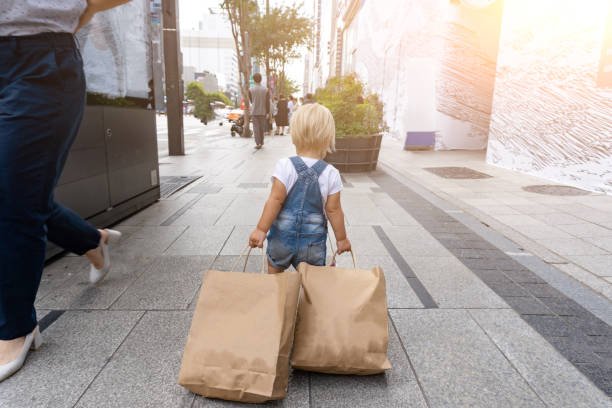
(174, 84)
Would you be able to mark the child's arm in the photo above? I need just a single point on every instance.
(336, 218)
(270, 212)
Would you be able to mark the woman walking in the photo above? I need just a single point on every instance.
(282, 116)
(42, 100)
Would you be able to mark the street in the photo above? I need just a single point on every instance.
(484, 313)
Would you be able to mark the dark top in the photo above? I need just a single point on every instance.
(282, 117)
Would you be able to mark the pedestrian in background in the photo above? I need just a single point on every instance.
(42, 99)
(260, 109)
(290, 106)
(282, 115)
(310, 99)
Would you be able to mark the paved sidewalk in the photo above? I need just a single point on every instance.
(474, 320)
(573, 233)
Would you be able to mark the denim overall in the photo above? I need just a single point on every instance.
(299, 232)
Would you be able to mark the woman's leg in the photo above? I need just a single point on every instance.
(40, 119)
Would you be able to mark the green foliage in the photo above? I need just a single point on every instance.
(356, 113)
(202, 100)
(289, 86)
(279, 35)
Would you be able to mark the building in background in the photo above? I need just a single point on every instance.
(208, 80)
(208, 46)
(538, 99)
(189, 74)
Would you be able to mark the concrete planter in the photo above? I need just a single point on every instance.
(355, 154)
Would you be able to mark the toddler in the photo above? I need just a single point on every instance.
(305, 194)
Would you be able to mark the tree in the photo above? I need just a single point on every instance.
(288, 86)
(278, 36)
(239, 13)
(202, 100)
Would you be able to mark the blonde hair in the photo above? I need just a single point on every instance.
(313, 128)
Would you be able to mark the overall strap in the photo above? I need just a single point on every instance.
(299, 164)
(319, 167)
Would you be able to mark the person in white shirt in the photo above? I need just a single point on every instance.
(298, 209)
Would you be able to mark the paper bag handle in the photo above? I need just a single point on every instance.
(352, 254)
(263, 263)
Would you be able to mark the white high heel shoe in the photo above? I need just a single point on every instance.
(96, 275)
(32, 342)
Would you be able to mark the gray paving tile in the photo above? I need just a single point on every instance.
(200, 241)
(169, 282)
(399, 291)
(78, 293)
(75, 349)
(365, 241)
(395, 388)
(226, 263)
(297, 396)
(199, 217)
(542, 290)
(61, 271)
(244, 210)
(452, 284)
(492, 276)
(146, 242)
(144, 370)
(589, 325)
(159, 211)
(457, 364)
(523, 276)
(550, 375)
(601, 376)
(238, 240)
(564, 306)
(415, 240)
(574, 348)
(548, 325)
(508, 289)
(528, 305)
(600, 265)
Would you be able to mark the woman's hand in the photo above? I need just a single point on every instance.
(257, 238)
(344, 245)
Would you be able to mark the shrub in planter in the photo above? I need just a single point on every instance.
(359, 123)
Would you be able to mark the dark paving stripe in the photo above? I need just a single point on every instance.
(401, 263)
(581, 337)
(171, 184)
(181, 211)
(49, 319)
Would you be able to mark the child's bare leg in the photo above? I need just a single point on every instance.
(272, 269)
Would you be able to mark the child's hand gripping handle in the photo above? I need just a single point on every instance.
(333, 262)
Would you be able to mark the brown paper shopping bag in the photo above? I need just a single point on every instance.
(342, 325)
(241, 334)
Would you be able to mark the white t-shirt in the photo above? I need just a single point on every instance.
(329, 181)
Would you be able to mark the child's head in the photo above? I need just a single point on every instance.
(313, 129)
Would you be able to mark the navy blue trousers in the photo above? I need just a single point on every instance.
(42, 99)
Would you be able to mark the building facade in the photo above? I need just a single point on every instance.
(208, 46)
(534, 91)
